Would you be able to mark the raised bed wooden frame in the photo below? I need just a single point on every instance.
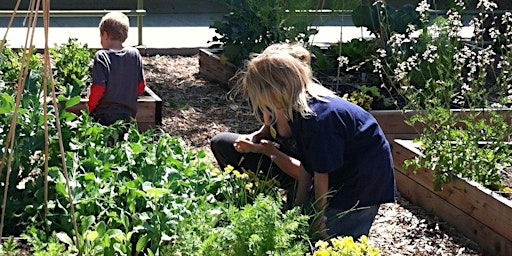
(149, 110)
(480, 214)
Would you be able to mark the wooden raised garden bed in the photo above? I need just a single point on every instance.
(480, 214)
(213, 69)
(149, 110)
(392, 122)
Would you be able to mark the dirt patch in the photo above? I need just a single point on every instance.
(196, 109)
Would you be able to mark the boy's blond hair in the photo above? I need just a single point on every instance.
(280, 79)
(116, 25)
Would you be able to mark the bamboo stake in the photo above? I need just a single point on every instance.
(46, 74)
(59, 132)
(33, 13)
(9, 145)
(9, 26)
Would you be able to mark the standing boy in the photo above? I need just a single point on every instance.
(117, 73)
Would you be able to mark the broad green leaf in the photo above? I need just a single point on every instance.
(63, 237)
(72, 101)
(91, 235)
(61, 189)
(136, 148)
(158, 192)
(141, 244)
(6, 103)
(87, 222)
(89, 176)
(117, 234)
(101, 228)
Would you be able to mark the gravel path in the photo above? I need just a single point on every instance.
(196, 110)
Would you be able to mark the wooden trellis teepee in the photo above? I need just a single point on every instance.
(5, 163)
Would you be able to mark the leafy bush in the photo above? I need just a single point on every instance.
(252, 25)
(257, 229)
(72, 61)
(382, 19)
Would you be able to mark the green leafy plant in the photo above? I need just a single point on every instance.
(11, 63)
(382, 19)
(365, 96)
(242, 187)
(43, 244)
(469, 147)
(9, 247)
(72, 61)
(252, 25)
(257, 229)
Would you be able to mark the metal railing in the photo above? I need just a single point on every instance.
(139, 13)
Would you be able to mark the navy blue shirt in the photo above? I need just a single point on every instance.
(346, 142)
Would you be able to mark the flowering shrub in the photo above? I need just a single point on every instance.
(436, 69)
(345, 246)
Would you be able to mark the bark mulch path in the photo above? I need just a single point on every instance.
(196, 109)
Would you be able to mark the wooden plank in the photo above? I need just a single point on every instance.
(482, 204)
(393, 121)
(211, 67)
(491, 242)
(149, 110)
(145, 111)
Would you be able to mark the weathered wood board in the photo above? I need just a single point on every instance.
(149, 110)
(477, 212)
(212, 68)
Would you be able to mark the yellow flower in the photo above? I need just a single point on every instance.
(321, 252)
(216, 171)
(248, 186)
(236, 173)
(321, 244)
(507, 190)
(229, 169)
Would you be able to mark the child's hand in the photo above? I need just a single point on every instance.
(244, 145)
(321, 227)
(246, 137)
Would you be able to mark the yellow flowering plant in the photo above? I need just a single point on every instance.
(241, 187)
(345, 246)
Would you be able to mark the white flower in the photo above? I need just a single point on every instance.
(487, 5)
(342, 61)
(430, 53)
(423, 6)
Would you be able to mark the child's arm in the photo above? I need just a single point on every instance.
(140, 87)
(95, 96)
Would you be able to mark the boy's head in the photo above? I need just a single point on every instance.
(116, 25)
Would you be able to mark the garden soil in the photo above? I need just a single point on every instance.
(196, 109)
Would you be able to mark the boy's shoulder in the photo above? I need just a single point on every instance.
(128, 50)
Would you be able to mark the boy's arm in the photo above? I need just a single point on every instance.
(321, 187)
(140, 87)
(305, 180)
(95, 96)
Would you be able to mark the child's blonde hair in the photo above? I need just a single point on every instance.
(280, 78)
(116, 25)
